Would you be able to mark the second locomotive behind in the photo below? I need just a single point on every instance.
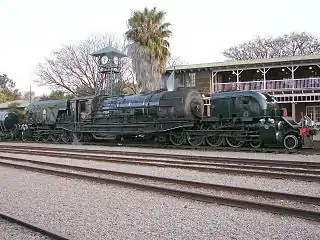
(236, 119)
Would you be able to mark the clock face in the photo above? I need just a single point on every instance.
(104, 59)
(116, 60)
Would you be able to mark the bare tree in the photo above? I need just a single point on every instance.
(287, 45)
(74, 70)
(175, 61)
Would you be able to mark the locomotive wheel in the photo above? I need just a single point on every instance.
(77, 137)
(87, 137)
(177, 137)
(37, 138)
(45, 138)
(290, 142)
(194, 140)
(214, 141)
(55, 137)
(234, 142)
(255, 143)
(64, 137)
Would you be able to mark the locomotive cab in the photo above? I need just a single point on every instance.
(81, 108)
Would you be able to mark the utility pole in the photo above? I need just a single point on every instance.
(30, 94)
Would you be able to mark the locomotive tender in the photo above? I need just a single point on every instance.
(235, 118)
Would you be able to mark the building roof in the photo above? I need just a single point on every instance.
(108, 51)
(21, 104)
(265, 62)
(49, 102)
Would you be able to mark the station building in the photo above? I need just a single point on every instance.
(294, 81)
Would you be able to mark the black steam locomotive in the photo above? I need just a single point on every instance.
(236, 119)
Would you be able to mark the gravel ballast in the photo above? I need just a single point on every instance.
(12, 231)
(85, 210)
(211, 192)
(268, 156)
(255, 182)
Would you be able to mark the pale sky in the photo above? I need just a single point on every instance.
(202, 29)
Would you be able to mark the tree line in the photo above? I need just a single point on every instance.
(71, 71)
(146, 43)
(292, 44)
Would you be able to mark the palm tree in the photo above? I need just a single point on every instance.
(150, 33)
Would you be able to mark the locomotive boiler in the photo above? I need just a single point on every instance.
(155, 114)
(182, 103)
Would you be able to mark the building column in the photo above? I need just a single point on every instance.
(293, 107)
(292, 70)
(238, 72)
(212, 83)
(264, 72)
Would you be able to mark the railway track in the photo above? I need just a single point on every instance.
(44, 231)
(314, 151)
(307, 207)
(306, 171)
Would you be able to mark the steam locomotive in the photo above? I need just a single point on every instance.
(181, 116)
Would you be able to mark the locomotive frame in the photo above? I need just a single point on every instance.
(178, 117)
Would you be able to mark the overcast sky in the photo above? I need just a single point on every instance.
(202, 29)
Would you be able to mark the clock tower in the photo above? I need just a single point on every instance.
(108, 80)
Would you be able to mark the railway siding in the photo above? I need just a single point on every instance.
(122, 168)
(263, 183)
(87, 210)
(208, 192)
(183, 152)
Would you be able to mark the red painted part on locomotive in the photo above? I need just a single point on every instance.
(304, 132)
(284, 112)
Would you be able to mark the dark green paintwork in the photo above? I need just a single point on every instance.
(34, 113)
(8, 120)
(243, 104)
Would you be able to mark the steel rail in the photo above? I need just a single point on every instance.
(45, 231)
(314, 151)
(270, 194)
(312, 215)
(235, 169)
(311, 165)
(124, 159)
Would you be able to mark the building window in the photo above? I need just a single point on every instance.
(190, 80)
(313, 112)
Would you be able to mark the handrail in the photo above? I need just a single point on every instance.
(282, 84)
